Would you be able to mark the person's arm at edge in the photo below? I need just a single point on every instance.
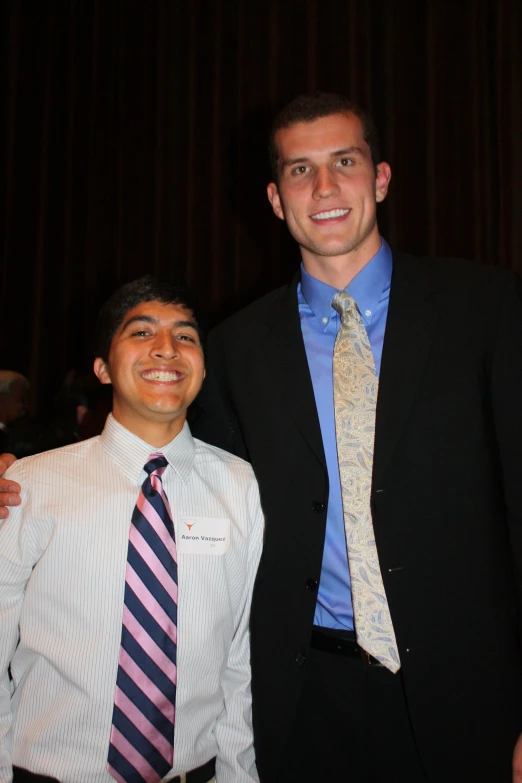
(18, 555)
(9, 490)
(236, 759)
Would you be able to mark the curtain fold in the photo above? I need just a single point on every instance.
(135, 141)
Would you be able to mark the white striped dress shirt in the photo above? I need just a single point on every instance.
(63, 556)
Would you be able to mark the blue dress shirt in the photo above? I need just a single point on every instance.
(319, 325)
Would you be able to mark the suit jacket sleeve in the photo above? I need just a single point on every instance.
(214, 420)
(506, 396)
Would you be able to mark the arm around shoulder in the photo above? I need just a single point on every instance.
(9, 490)
(17, 559)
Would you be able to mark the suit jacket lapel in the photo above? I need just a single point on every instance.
(410, 329)
(286, 356)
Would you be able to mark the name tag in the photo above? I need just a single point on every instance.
(203, 535)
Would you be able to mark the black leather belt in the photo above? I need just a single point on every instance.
(24, 776)
(199, 775)
(340, 643)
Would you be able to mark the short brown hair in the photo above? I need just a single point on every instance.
(312, 106)
(145, 289)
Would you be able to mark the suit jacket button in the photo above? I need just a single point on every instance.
(318, 507)
(300, 659)
(312, 584)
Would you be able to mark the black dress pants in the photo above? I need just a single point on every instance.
(351, 726)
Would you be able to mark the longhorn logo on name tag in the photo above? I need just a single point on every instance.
(203, 535)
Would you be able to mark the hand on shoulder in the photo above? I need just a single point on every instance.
(9, 490)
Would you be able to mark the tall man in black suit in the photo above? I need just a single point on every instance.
(446, 500)
(446, 505)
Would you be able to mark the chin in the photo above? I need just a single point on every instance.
(161, 412)
(331, 250)
(167, 411)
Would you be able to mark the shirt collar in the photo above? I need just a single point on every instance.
(130, 453)
(366, 288)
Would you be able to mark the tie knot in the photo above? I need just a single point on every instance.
(344, 303)
(156, 464)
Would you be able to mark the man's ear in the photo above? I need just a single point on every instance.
(382, 181)
(272, 192)
(101, 370)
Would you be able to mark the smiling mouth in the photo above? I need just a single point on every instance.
(331, 214)
(162, 375)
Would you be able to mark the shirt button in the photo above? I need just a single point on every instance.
(325, 320)
(312, 585)
(318, 507)
(300, 659)
(368, 312)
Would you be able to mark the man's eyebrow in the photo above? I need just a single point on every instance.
(149, 319)
(192, 324)
(348, 151)
(303, 159)
(292, 161)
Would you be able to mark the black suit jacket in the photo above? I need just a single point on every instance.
(446, 500)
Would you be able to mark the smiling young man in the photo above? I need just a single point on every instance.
(126, 576)
(326, 191)
(378, 399)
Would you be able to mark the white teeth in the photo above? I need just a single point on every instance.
(333, 213)
(157, 375)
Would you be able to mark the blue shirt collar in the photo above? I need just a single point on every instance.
(366, 288)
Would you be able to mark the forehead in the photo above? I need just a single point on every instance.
(323, 135)
(165, 314)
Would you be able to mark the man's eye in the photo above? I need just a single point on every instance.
(140, 333)
(342, 162)
(297, 170)
(189, 337)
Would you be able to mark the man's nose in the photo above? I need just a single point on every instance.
(325, 183)
(166, 346)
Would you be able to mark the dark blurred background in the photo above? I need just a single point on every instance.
(135, 140)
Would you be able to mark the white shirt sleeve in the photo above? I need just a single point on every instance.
(21, 546)
(233, 730)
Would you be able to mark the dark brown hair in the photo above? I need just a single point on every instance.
(129, 296)
(312, 106)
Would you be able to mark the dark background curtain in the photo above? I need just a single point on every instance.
(135, 140)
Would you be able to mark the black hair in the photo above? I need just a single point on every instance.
(145, 289)
(312, 106)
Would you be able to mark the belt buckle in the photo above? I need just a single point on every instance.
(368, 659)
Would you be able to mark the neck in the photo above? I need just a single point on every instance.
(339, 271)
(157, 434)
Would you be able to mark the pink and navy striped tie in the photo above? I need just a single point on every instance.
(142, 735)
